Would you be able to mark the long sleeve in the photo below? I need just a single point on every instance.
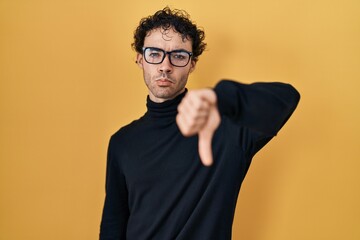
(156, 187)
(115, 212)
(261, 108)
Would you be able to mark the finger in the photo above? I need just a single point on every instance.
(194, 105)
(198, 103)
(193, 117)
(189, 126)
(208, 95)
(183, 126)
(205, 149)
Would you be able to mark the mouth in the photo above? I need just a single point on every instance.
(164, 82)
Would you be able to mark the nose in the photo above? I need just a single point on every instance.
(166, 66)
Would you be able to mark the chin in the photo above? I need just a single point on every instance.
(165, 96)
(164, 93)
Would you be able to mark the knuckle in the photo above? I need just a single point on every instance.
(186, 133)
(192, 122)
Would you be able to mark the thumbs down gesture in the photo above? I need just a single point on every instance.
(198, 114)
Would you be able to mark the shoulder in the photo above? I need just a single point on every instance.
(123, 138)
(129, 130)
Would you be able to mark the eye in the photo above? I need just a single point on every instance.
(179, 56)
(154, 54)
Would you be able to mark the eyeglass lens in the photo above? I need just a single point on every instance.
(156, 56)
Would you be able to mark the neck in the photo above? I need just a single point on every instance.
(164, 109)
(161, 100)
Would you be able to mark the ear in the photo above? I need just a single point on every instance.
(192, 66)
(139, 60)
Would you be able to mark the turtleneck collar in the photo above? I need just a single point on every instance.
(164, 109)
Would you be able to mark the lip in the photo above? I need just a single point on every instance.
(163, 82)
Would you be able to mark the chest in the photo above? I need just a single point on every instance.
(158, 154)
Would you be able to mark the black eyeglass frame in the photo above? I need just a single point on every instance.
(167, 53)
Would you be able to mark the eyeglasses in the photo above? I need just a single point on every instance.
(178, 58)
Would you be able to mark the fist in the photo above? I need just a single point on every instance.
(198, 114)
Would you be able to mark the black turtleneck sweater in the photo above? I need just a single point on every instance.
(156, 186)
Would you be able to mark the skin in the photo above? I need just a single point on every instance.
(197, 112)
(164, 80)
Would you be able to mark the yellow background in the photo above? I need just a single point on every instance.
(68, 81)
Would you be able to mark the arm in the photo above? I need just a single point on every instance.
(263, 108)
(115, 212)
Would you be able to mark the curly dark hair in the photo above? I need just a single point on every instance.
(166, 18)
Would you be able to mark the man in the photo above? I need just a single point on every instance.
(175, 173)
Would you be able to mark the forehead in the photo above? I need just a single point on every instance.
(167, 39)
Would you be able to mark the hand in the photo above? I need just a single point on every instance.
(198, 114)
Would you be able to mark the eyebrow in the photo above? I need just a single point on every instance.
(175, 50)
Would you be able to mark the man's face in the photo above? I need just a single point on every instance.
(164, 80)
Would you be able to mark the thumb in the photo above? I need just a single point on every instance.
(205, 149)
(206, 135)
